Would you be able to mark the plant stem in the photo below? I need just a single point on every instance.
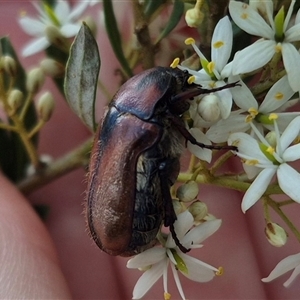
(283, 216)
(76, 158)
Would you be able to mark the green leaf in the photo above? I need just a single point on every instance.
(10, 143)
(81, 77)
(151, 6)
(114, 36)
(178, 9)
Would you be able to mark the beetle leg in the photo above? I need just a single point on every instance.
(188, 136)
(170, 216)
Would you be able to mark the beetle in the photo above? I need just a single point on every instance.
(135, 161)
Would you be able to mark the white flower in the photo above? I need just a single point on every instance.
(156, 260)
(215, 72)
(287, 264)
(61, 17)
(270, 161)
(277, 36)
(275, 100)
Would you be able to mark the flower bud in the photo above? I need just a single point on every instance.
(52, 67)
(45, 106)
(9, 65)
(56, 38)
(276, 235)
(199, 210)
(194, 17)
(15, 98)
(35, 80)
(178, 206)
(90, 22)
(188, 191)
(208, 108)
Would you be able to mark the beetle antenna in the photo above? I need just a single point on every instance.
(198, 91)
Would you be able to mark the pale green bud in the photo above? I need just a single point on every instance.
(199, 210)
(188, 191)
(90, 22)
(178, 206)
(9, 65)
(35, 80)
(55, 37)
(208, 108)
(275, 234)
(45, 106)
(15, 99)
(52, 67)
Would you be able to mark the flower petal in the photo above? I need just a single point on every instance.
(69, 30)
(289, 135)
(201, 153)
(32, 26)
(295, 273)
(201, 232)
(183, 223)
(277, 96)
(220, 132)
(257, 188)
(248, 147)
(147, 280)
(249, 20)
(147, 258)
(289, 181)
(292, 153)
(293, 33)
(253, 57)
(221, 43)
(243, 97)
(225, 102)
(62, 11)
(197, 270)
(284, 266)
(291, 61)
(78, 10)
(35, 46)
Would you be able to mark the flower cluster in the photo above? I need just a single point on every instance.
(254, 119)
(249, 108)
(156, 261)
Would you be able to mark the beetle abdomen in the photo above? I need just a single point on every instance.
(112, 179)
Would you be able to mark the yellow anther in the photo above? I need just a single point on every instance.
(23, 13)
(249, 119)
(211, 67)
(251, 162)
(297, 140)
(253, 112)
(278, 48)
(191, 79)
(175, 63)
(235, 143)
(270, 150)
(244, 16)
(273, 116)
(167, 296)
(279, 96)
(189, 41)
(212, 84)
(220, 271)
(218, 44)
